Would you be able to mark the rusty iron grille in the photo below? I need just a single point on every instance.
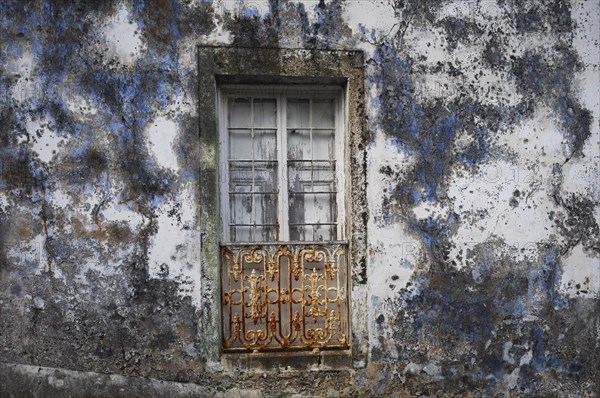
(290, 296)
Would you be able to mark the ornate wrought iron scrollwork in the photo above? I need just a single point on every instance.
(284, 296)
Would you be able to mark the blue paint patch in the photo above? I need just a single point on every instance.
(404, 116)
(539, 355)
(249, 12)
(329, 28)
(434, 152)
(576, 121)
(406, 264)
(432, 231)
(478, 151)
(416, 197)
(479, 272)
(544, 285)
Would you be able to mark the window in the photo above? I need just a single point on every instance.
(280, 177)
(283, 249)
(275, 73)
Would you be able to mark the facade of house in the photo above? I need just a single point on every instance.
(299, 198)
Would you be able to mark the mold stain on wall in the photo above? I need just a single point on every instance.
(483, 225)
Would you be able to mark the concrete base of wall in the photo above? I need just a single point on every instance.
(23, 381)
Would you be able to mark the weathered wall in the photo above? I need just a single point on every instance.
(483, 232)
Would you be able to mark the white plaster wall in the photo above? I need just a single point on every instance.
(582, 175)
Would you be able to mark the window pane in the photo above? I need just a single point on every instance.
(253, 177)
(265, 112)
(299, 144)
(241, 234)
(253, 152)
(324, 232)
(265, 177)
(265, 144)
(264, 205)
(241, 208)
(307, 208)
(241, 176)
(240, 144)
(323, 144)
(313, 233)
(298, 113)
(323, 176)
(266, 217)
(265, 234)
(240, 112)
(301, 233)
(312, 200)
(299, 176)
(253, 200)
(312, 208)
(323, 113)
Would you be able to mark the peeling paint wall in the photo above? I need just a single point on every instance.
(483, 266)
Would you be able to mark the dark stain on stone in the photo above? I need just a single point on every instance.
(250, 29)
(577, 223)
(493, 54)
(165, 22)
(460, 31)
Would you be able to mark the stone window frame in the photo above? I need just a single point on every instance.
(219, 65)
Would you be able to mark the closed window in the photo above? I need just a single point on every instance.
(281, 178)
(283, 230)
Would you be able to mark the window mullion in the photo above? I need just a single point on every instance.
(284, 233)
(253, 187)
(340, 165)
(224, 168)
(312, 167)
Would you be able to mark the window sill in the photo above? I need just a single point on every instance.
(288, 361)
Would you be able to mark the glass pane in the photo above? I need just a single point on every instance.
(324, 232)
(297, 206)
(266, 217)
(241, 176)
(311, 208)
(323, 144)
(240, 144)
(265, 112)
(317, 233)
(299, 176)
(312, 200)
(240, 112)
(265, 177)
(299, 181)
(323, 175)
(265, 144)
(265, 204)
(253, 201)
(323, 113)
(260, 178)
(265, 234)
(241, 234)
(311, 176)
(301, 233)
(299, 144)
(324, 207)
(298, 113)
(240, 208)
